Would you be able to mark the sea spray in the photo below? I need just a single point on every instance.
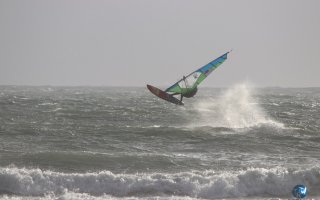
(234, 108)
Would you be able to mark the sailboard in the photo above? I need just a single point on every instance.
(187, 86)
(163, 95)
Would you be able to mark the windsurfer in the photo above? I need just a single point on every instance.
(187, 86)
(181, 95)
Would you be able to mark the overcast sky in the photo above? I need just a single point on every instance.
(134, 42)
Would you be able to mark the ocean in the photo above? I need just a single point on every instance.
(125, 143)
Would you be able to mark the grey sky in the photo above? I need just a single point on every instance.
(134, 42)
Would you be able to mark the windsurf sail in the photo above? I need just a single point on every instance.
(196, 77)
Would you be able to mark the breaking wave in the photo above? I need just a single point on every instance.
(253, 182)
(235, 108)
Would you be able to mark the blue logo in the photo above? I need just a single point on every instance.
(300, 191)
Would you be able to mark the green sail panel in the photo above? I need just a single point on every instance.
(176, 89)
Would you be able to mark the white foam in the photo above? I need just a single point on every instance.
(80, 196)
(275, 182)
(235, 108)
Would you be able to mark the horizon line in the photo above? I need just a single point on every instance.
(135, 86)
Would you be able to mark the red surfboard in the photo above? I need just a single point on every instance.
(163, 95)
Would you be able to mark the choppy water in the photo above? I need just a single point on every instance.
(124, 143)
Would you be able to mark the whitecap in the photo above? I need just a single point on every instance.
(252, 182)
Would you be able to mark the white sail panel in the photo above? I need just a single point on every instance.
(190, 80)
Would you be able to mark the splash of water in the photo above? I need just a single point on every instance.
(235, 108)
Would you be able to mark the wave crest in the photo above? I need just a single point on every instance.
(208, 184)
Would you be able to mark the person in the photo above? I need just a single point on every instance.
(184, 79)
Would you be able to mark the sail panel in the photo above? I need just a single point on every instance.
(175, 88)
(190, 80)
(207, 69)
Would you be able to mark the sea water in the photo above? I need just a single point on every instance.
(125, 143)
